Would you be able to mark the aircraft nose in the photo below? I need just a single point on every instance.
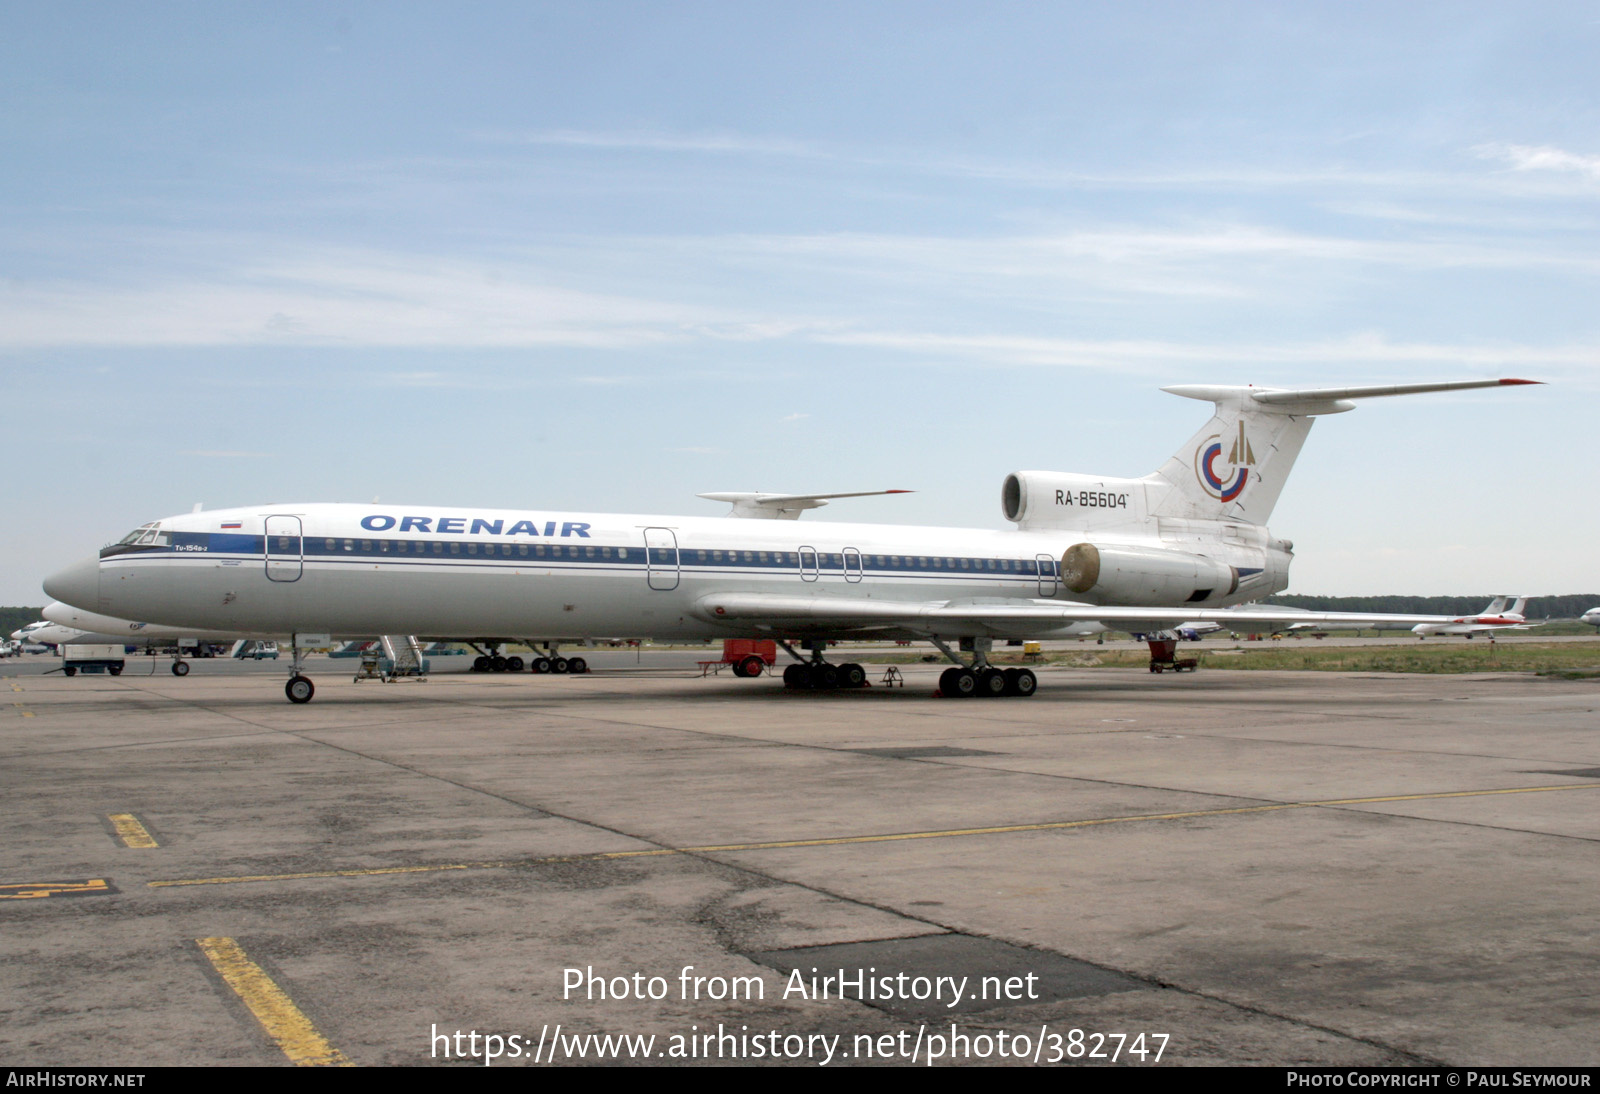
(78, 585)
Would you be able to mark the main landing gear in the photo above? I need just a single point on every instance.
(551, 661)
(816, 674)
(981, 678)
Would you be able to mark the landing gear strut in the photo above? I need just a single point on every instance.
(981, 678)
(299, 689)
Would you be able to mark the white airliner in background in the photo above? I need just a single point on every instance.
(63, 624)
(1591, 617)
(1496, 617)
(1142, 554)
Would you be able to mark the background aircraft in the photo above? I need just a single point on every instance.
(1496, 617)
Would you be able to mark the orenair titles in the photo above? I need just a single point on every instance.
(382, 522)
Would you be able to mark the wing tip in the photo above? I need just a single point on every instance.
(1508, 382)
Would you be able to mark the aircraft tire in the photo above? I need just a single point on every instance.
(751, 666)
(823, 677)
(514, 664)
(1021, 682)
(852, 676)
(559, 665)
(540, 665)
(499, 664)
(299, 689)
(947, 682)
(577, 666)
(481, 663)
(963, 684)
(991, 683)
(180, 668)
(794, 677)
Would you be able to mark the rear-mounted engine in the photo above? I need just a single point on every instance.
(1144, 576)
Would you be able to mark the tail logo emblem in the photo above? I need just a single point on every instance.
(1228, 485)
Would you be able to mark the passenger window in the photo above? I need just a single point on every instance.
(472, 548)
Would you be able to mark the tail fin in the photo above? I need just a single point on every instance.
(1235, 467)
(1497, 605)
(1519, 607)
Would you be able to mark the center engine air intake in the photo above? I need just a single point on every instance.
(1144, 577)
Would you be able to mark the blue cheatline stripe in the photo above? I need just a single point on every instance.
(317, 548)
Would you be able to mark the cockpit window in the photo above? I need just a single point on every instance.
(146, 535)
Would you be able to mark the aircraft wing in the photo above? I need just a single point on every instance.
(998, 616)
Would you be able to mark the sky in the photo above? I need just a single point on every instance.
(604, 256)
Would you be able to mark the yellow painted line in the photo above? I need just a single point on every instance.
(36, 890)
(130, 831)
(22, 710)
(836, 841)
(284, 1022)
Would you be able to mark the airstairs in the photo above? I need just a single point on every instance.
(405, 657)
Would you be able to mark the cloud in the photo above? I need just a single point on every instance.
(720, 143)
(1159, 357)
(341, 298)
(1523, 157)
(224, 454)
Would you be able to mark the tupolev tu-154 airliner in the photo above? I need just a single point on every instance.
(1179, 545)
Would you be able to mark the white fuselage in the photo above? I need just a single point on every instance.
(364, 570)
